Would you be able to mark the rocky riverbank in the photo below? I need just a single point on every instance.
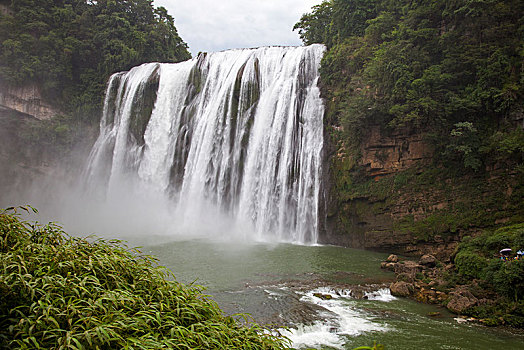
(431, 281)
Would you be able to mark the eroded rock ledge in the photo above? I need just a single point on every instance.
(27, 99)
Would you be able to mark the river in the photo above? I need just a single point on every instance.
(277, 283)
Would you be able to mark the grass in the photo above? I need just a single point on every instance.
(64, 292)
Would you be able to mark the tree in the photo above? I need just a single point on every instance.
(70, 47)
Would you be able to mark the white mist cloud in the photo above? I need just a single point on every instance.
(215, 25)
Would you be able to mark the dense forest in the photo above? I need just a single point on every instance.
(70, 47)
(454, 69)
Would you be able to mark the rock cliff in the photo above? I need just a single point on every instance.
(389, 196)
(385, 154)
(27, 99)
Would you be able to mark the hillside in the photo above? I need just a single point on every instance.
(425, 120)
(425, 136)
(69, 48)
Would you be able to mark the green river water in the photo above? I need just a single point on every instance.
(274, 283)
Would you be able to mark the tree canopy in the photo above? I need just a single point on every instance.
(70, 47)
(425, 65)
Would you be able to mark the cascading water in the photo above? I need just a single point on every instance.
(237, 133)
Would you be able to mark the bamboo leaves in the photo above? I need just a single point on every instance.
(68, 293)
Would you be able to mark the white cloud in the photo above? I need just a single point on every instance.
(215, 25)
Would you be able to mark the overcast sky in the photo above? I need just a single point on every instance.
(215, 25)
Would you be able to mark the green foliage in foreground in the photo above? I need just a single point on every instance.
(375, 347)
(63, 292)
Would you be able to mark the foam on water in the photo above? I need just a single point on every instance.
(340, 319)
(383, 294)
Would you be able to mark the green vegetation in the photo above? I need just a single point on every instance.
(63, 292)
(452, 70)
(478, 258)
(449, 72)
(70, 47)
(374, 347)
(502, 282)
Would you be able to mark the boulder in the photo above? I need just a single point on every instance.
(427, 296)
(409, 267)
(391, 266)
(461, 300)
(388, 265)
(392, 258)
(401, 289)
(405, 277)
(428, 260)
(323, 296)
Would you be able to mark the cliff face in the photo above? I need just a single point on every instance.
(21, 161)
(26, 138)
(389, 196)
(383, 154)
(6, 10)
(27, 99)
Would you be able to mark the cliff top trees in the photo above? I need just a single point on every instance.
(426, 64)
(70, 47)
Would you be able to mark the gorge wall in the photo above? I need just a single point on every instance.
(389, 196)
(27, 99)
(37, 141)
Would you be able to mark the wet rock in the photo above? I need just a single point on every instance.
(441, 296)
(323, 296)
(427, 296)
(388, 265)
(401, 289)
(409, 267)
(391, 266)
(461, 300)
(428, 260)
(405, 277)
(433, 283)
(392, 258)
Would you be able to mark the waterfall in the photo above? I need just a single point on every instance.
(238, 133)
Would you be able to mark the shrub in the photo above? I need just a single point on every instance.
(507, 277)
(498, 240)
(63, 292)
(470, 264)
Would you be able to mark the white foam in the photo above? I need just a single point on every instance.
(273, 294)
(340, 320)
(383, 294)
(313, 336)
